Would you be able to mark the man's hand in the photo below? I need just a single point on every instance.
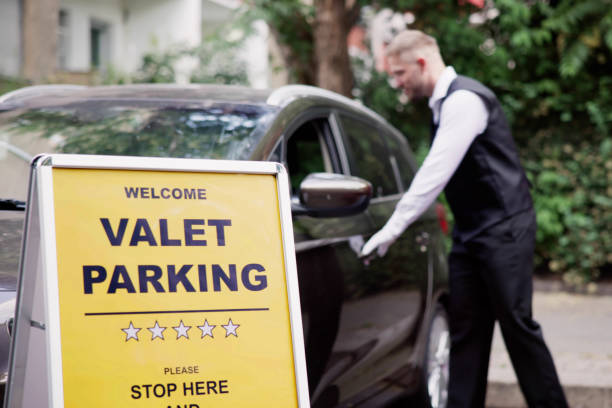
(381, 241)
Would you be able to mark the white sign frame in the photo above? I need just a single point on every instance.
(37, 323)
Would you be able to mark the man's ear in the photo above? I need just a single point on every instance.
(422, 62)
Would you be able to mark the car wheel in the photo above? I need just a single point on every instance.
(437, 359)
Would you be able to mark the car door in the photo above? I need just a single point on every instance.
(384, 300)
(326, 248)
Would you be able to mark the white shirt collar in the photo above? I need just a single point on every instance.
(442, 85)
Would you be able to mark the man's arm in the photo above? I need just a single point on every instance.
(463, 116)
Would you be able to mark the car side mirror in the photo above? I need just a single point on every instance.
(332, 195)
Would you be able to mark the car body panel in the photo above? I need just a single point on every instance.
(363, 321)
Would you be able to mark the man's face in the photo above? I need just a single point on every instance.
(408, 75)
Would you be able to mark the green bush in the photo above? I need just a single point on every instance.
(572, 188)
(8, 84)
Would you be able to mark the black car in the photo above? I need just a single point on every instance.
(376, 331)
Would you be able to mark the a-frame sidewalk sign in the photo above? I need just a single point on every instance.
(157, 282)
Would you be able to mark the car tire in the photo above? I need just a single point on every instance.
(437, 358)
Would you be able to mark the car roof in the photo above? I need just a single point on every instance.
(193, 94)
(42, 95)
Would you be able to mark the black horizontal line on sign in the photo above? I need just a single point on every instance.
(259, 309)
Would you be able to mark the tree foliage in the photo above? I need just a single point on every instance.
(217, 59)
(291, 22)
(558, 96)
(562, 64)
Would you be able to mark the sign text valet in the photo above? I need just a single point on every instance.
(168, 283)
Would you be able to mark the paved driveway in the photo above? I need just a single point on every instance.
(578, 331)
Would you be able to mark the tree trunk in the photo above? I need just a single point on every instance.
(40, 31)
(333, 68)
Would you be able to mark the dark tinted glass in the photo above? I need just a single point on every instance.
(307, 152)
(128, 128)
(368, 155)
(403, 158)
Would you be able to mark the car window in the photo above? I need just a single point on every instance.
(368, 155)
(127, 127)
(309, 150)
(402, 156)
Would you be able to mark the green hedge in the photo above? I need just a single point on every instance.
(8, 84)
(572, 189)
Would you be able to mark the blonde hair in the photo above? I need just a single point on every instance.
(407, 42)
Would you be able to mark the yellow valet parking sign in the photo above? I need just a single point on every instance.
(168, 283)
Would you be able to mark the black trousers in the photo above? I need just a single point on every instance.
(491, 279)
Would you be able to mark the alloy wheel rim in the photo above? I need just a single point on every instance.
(438, 362)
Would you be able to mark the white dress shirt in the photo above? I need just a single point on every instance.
(462, 117)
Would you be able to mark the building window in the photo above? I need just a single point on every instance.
(63, 40)
(99, 44)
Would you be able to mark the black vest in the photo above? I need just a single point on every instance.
(489, 185)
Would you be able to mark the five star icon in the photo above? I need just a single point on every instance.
(157, 331)
(181, 330)
(230, 328)
(131, 332)
(207, 329)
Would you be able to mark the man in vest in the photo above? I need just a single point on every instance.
(474, 159)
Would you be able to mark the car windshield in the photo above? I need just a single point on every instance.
(130, 128)
(190, 129)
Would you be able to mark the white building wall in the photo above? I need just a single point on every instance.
(216, 13)
(135, 27)
(159, 25)
(10, 38)
(80, 15)
(255, 54)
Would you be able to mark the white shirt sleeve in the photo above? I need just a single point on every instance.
(463, 116)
